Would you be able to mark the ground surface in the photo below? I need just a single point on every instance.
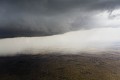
(60, 67)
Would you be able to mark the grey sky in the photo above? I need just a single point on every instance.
(49, 17)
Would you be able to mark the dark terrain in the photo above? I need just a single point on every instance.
(60, 67)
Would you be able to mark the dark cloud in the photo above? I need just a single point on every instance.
(48, 17)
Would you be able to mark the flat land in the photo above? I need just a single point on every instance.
(60, 67)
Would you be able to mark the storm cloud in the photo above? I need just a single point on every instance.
(49, 17)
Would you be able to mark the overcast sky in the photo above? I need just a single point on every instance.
(49, 17)
(59, 25)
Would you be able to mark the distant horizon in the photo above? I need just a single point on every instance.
(71, 42)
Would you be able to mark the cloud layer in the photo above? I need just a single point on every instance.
(49, 17)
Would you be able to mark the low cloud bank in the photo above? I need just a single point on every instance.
(71, 42)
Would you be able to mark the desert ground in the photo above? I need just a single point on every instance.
(82, 66)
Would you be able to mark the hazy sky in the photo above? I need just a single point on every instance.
(103, 39)
(60, 25)
(49, 17)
